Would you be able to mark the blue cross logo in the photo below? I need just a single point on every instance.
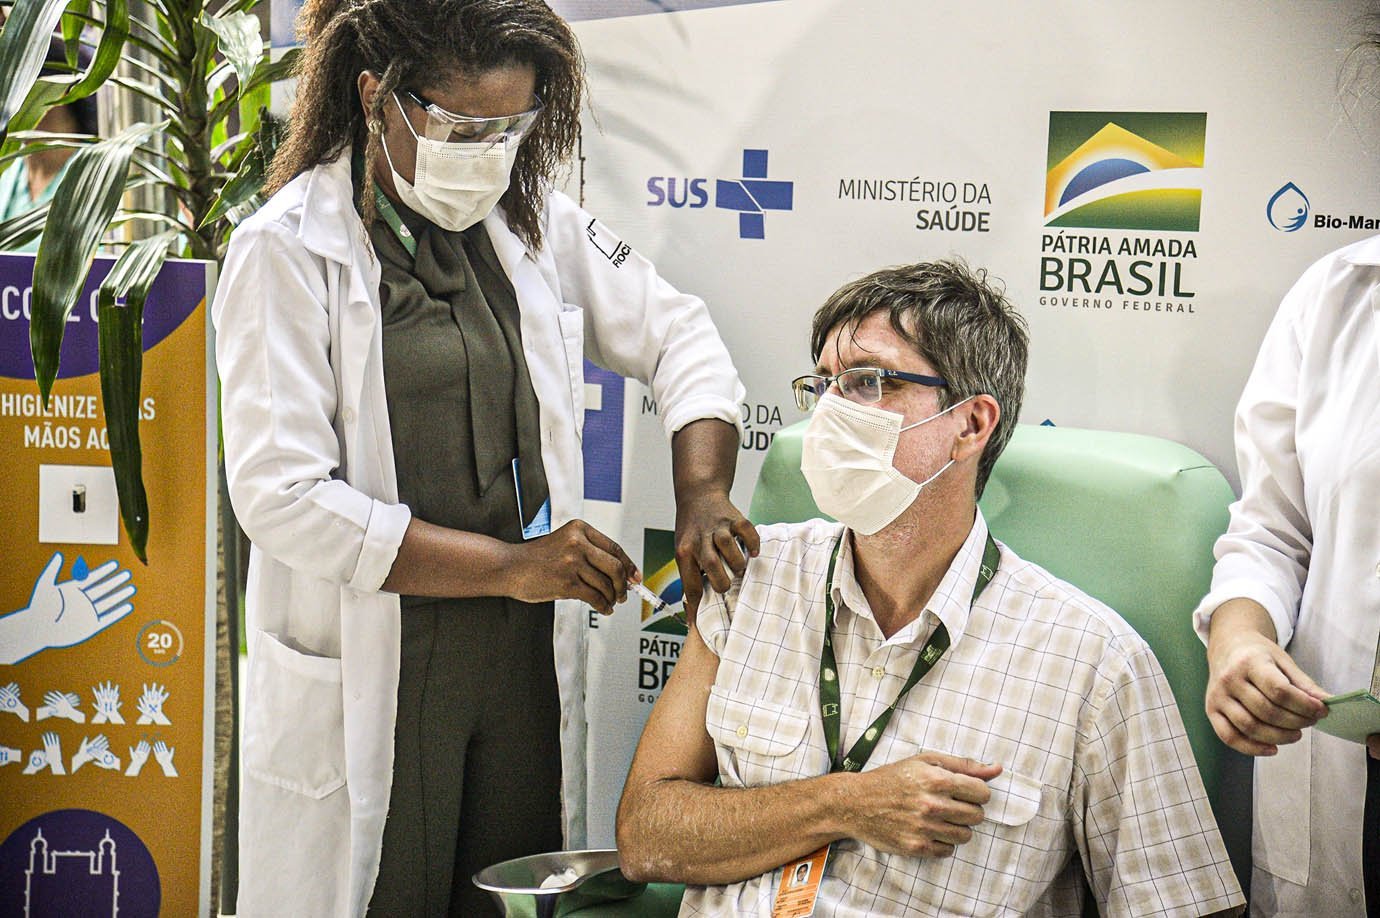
(753, 195)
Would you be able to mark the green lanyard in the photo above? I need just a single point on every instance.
(828, 668)
(390, 216)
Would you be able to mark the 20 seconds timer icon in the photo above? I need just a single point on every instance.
(160, 643)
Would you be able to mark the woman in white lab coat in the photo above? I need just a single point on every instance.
(1295, 600)
(411, 311)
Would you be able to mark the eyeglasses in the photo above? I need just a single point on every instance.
(448, 127)
(860, 384)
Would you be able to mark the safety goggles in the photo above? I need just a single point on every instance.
(863, 385)
(447, 127)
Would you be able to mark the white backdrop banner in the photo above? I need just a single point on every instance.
(1147, 180)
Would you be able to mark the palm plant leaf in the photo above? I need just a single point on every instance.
(108, 51)
(22, 229)
(86, 199)
(122, 363)
(42, 96)
(240, 41)
(247, 181)
(30, 142)
(271, 71)
(73, 21)
(23, 46)
(266, 73)
(181, 56)
(252, 102)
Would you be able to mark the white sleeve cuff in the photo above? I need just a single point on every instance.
(699, 407)
(714, 620)
(382, 538)
(1244, 588)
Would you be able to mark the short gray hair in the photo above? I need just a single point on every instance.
(959, 320)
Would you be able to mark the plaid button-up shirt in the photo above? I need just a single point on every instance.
(1040, 678)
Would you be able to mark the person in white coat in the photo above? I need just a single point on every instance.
(401, 332)
(1295, 600)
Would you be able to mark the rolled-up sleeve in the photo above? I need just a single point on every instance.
(639, 326)
(715, 618)
(279, 405)
(1265, 552)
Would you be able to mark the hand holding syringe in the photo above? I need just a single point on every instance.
(657, 603)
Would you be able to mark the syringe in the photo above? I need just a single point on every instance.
(657, 603)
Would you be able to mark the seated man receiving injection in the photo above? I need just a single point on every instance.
(946, 728)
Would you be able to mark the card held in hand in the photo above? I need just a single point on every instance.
(1352, 716)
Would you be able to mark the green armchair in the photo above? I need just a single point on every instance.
(1129, 519)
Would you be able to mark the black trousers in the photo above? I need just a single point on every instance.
(477, 767)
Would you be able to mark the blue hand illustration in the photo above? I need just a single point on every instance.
(164, 754)
(151, 706)
(138, 755)
(50, 756)
(107, 704)
(61, 704)
(67, 613)
(96, 750)
(10, 702)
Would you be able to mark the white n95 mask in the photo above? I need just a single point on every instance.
(847, 460)
(456, 184)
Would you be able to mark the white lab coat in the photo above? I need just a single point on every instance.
(1304, 542)
(310, 465)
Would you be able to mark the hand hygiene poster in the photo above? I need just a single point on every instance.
(106, 664)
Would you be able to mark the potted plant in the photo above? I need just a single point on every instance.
(207, 75)
(204, 72)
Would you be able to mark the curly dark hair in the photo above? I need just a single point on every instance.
(416, 43)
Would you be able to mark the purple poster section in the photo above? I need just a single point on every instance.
(163, 313)
(76, 863)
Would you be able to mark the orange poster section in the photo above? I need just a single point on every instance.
(104, 666)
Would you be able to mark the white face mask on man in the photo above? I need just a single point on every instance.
(847, 460)
(456, 184)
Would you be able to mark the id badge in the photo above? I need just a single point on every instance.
(541, 523)
(800, 886)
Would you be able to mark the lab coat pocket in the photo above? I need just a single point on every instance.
(294, 729)
(758, 742)
(572, 324)
(1282, 788)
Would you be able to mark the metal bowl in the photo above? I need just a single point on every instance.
(516, 885)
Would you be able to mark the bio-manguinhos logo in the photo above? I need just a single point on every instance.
(1288, 208)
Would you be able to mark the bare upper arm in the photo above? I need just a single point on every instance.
(675, 743)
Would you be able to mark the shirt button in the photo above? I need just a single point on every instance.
(1355, 895)
(349, 415)
(742, 730)
(878, 672)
